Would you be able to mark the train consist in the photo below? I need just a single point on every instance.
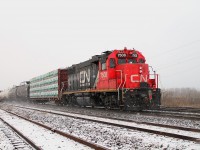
(114, 79)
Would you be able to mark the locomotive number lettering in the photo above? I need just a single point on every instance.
(104, 74)
(137, 78)
(121, 55)
(134, 55)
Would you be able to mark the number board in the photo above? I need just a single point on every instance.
(134, 55)
(121, 55)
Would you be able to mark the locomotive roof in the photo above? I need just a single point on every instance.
(107, 52)
(74, 67)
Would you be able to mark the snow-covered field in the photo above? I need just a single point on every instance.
(105, 135)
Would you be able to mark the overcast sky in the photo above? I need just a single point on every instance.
(37, 36)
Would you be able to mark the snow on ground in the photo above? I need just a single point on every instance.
(44, 138)
(107, 136)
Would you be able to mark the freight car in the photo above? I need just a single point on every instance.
(118, 78)
(48, 86)
(20, 92)
(3, 95)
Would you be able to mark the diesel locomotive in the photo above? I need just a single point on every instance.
(118, 78)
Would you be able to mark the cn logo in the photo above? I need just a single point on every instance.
(104, 74)
(84, 77)
(137, 78)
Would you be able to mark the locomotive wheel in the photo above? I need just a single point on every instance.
(107, 102)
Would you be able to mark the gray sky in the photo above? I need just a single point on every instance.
(41, 35)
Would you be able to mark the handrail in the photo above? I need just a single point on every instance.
(157, 80)
(124, 85)
(155, 77)
(61, 90)
(120, 83)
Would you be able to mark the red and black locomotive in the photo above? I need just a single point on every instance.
(115, 79)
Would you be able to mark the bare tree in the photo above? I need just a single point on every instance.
(181, 97)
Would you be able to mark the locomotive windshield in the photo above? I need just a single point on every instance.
(121, 61)
(131, 61)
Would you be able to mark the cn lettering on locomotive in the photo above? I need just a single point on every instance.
(139, 78)
(85, 77)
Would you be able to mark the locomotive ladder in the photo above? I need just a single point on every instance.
(122, 84)
(119, 85)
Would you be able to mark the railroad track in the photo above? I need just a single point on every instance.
(160, 129)
(18, 140)
(76, 139)
(180, 109)
(163, 112)
(172, 113)
(182, 115)
(162, 108)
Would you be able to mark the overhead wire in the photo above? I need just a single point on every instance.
(177, 48)
(175, 64)
(179, 72)
(180, 62)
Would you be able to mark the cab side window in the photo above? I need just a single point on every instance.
(141, 60)
(103, 66)
(112, 63)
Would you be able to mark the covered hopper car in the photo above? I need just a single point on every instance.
(48, 86)
(3, 95)
(20, 92)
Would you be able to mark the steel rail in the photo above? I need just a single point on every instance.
(178, 109)
(173, 115)
(22, 135)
